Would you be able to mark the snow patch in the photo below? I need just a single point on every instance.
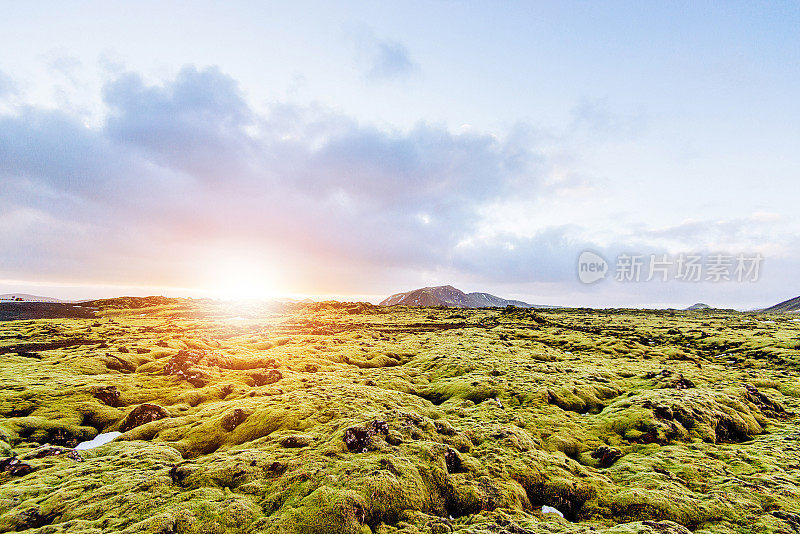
(99, 439)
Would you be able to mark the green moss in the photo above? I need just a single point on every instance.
(489, 415)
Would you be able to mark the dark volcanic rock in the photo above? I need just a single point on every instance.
(764, 403)
(683, 383)
(182, 361)
(663, 373)
(107, 394)
(62, 437)
(33, 518)
(144, 413)
(379, 427)
(181, 365)
(277, 467)
(445, 428)
(264, 379)
(452, 460)
(357, 438)
(177, 474)
(233, 419)
(295, 441)
(606, 456)
(14, 467)
(49, 450)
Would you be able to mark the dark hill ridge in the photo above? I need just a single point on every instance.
(791, 305)
(24, 311)
(27, 310)
(24, 297)
(699, 306)
(452, 297)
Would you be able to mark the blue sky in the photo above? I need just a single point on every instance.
(365, 148)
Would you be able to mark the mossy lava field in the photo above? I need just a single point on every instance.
(353, 418)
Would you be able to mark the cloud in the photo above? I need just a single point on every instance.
(7, 86)
(742, 234)
(383, 59)
(390, 60)
(548, 256)
(184, 170)
(185, 164)
(594, 118)
(194, 123)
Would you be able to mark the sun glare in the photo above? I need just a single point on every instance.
(239, 278)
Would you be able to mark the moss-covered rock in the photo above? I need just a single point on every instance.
(353, 418)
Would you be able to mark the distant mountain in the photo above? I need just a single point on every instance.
(24, 297)
(791, 305)
(699, 306)
(452, 297)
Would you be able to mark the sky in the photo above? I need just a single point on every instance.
(358, 149)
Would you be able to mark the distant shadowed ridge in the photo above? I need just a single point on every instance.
(24, 297)
(26, 311)
(451, 297)
(787, 306)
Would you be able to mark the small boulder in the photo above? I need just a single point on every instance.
(144, 413)
(33, 518)
(606, 456)
(357, 438)
(683, 383)
(452, 460)
(445, 428)
(181, 365)
(276, 467)
(264, 379)
(107, 395)
(296, 441)
(233, 419)
(14, 467)
(379, 427)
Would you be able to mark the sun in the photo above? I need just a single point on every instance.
(236, 277)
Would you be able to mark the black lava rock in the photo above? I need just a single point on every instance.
(452, 460)
(14, 467)
(144, 413)
(606, 456)
(233, 419)
(107, 394)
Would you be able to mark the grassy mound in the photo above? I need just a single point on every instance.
(358, 419)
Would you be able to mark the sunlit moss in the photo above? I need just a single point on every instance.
(624, 421)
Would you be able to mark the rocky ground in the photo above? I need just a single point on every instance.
(351, 418)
